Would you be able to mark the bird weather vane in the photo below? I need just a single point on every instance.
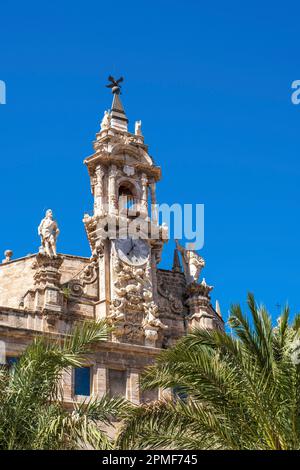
(115, 84)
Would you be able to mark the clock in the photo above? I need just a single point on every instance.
(133, 251)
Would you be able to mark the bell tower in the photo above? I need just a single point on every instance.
(123, 232)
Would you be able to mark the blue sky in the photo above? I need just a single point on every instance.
(211, 82)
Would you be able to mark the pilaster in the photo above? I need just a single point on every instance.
(47, 296)
(100, 381)
(133, 386)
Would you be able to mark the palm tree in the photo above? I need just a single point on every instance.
(238, 390)
(32, 414)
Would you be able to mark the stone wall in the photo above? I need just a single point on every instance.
(171, 301)
(71, 266)
(115, 367)
(16, 277)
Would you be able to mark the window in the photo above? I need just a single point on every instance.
(11, 361)
(117, 382)
(82, 381)
(125, 191)
(126, 197)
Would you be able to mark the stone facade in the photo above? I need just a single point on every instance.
(150, 308)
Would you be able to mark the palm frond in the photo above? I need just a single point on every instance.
(32, 415)
(242, 390)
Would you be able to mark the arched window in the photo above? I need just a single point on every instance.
(126, 195)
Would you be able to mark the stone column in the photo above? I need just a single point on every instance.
(103, 254)
(112, 189)
(153, 203)
(98, 191)
(144, 198)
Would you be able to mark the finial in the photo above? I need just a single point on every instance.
(115, 85)
(118, 119)
(138, 128)
(8, 255)
(176, 263)
(105, 123)
(218, 309)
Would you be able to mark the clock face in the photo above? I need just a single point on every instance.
(133, 251)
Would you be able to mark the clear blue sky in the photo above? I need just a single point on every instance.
(211, 82)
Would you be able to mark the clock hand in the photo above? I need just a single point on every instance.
(131, 247)
(134, 247)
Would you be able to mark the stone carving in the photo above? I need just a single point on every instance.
(76, 288)
(132, 288)
(8, 256)
(133, 311)
(48, 231)
(47, 270)
(151, 336)
(192, 263)
(105, 123)
(201, 290)
(173, 304)
(88, 275)
(124, 139)
(130, 332)
(152, 319)
(46, 295)
(98, 188)
(128, 170)
(151, 325)
(138, 128)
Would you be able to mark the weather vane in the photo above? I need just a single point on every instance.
(114, 85)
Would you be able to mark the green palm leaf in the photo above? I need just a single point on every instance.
(243, 389)
(32, 414)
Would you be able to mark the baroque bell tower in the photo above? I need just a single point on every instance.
(149, 307)
(125, 238)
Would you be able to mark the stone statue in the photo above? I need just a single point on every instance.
(192, 263)
(48, 231)
(152, 324)
(138, 128)
(105, 123)
(152, 319)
